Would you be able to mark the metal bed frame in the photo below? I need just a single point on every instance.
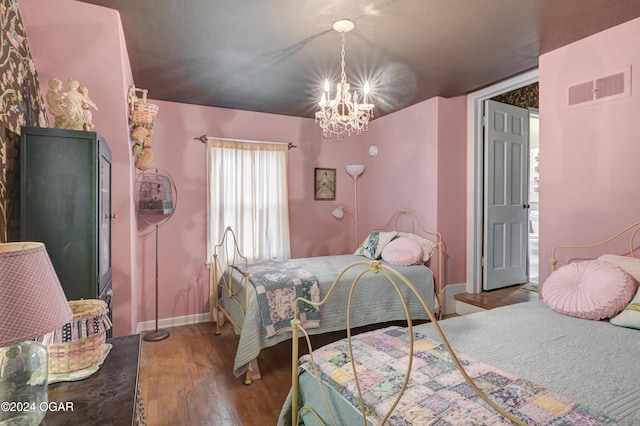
(227, 253)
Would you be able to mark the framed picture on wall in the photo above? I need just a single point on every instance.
(325, 184)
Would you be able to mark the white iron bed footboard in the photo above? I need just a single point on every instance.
(396, 280)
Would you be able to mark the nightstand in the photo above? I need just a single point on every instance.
(108, 397)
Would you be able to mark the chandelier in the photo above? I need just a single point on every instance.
(342, 115)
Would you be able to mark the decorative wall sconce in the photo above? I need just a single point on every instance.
(339, 212)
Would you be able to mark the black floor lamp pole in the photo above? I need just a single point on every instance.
(158, 334)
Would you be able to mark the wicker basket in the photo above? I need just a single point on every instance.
(143, 106)
(142, 118)
(139, 134)
(82, 353)
(144, 160)
(142, 112)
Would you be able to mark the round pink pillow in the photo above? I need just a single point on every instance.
(403, 251)
(592, 289)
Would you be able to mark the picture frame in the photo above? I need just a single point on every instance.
(324, 184)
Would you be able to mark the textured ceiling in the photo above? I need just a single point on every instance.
(273, 55)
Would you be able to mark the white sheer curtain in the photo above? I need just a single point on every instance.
(247, 190)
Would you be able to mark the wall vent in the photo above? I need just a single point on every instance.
(606, 88)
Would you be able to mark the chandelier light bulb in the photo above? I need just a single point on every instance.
(343, 115)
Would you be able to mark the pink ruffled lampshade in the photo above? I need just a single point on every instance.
(32, 302)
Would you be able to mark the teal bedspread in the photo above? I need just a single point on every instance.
(374, 291)
(591, 367)
(436, 392)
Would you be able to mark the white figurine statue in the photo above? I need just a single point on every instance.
(78, 106)
(71, 109)
(57, 104)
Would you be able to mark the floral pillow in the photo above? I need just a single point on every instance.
(372, 246)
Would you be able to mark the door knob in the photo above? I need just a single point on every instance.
(525, 206)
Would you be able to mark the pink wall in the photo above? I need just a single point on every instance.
(75, 39)
(588, 155)
(452, 185)
(404, 173)
(182, 254)
(419, 166)
(314, 232)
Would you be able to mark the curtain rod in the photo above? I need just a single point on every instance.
(204, 138)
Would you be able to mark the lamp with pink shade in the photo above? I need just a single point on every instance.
(32, 303)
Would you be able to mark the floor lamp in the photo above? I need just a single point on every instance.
(355, 170)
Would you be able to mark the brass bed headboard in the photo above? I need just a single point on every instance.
(416, 224)
(634, 228)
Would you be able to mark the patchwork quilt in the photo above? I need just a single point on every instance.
(437, 394)
(278, 283)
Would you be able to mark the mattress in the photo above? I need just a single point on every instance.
(593, 363)
(373, 291)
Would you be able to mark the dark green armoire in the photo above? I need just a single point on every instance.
(65, 202)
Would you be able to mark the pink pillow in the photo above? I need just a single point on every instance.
(403, 251)
(593, 290)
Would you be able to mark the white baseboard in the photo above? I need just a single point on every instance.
(448, 296)
(173, 322)
(463, 308)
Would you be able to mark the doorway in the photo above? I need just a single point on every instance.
(475, 180)
(506, 195)
(534, 197)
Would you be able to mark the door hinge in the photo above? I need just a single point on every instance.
(484, 120)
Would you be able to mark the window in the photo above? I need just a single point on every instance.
(247, 190)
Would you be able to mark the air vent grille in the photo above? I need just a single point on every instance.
(609, 86)
(581, 93)
(606, 88)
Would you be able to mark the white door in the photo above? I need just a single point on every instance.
(506, 190)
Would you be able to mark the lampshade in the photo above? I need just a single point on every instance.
(355, 169)
(32, 302)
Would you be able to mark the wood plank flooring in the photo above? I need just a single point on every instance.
(497, 298)
(186, 379)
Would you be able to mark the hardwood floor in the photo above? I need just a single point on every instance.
(186, 379)
(501, 297)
